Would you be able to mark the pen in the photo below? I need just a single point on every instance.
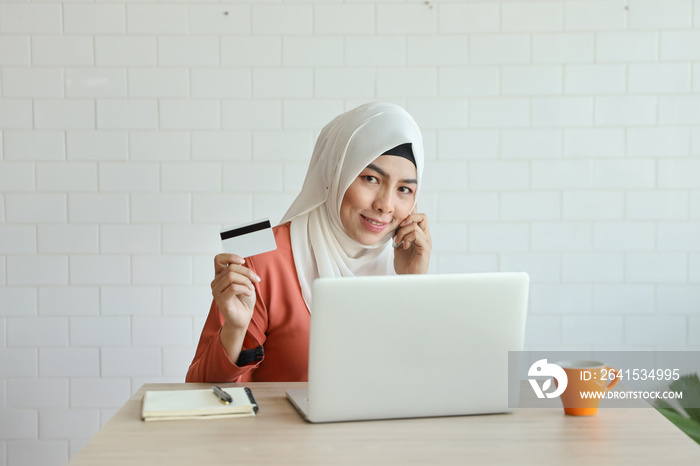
(224, 397)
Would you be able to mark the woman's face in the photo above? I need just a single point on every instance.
(379, 199)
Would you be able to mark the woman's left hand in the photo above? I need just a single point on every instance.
(413, 255)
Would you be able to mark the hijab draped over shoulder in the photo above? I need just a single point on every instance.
(345, 146)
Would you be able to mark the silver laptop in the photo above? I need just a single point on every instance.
(412, 346)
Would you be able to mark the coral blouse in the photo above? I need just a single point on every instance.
(280, 323)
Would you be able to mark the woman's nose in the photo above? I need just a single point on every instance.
(384, 202)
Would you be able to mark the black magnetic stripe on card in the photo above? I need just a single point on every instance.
(245, 230)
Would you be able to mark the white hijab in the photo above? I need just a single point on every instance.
(346, 145)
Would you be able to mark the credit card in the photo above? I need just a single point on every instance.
(249, 239)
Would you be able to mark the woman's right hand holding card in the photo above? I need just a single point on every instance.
(234, 295)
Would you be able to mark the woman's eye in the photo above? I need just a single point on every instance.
(371, 179)
(405, 190)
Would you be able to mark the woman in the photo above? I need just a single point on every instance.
(359, 196)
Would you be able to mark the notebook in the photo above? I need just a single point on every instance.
(403, 346)
(161, 405)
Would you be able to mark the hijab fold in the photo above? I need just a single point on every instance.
(345, 146)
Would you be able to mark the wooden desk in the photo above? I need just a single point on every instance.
(278, 435)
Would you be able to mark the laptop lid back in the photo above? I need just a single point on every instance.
(413, 345)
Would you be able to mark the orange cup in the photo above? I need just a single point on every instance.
(592, 377)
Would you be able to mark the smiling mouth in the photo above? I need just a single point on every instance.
(374, 222)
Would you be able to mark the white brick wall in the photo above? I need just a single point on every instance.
(17, 239)
(678, 299)
(48, 452)
(69, 362)
(69, 300)
(130, 300)
(667, 331)
(562, 111)
(560, 298)
(17, 177)
(37, 393)
(562, 139)
(499, 49)
(37, 331)
(561, 236)
(617, 299)
(55, 50)
(125, 50)
(34, 145)
(30, 18)
(595, 79)
(18, 301)
(32, 82)
(470, 18)
(97, 145)
(658, 142)
(680, 45)
(130, 361)
(127, 114)
(14, 50)
(594, 15)
(542, 267)
(597, 330)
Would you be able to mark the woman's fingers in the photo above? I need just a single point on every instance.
(227, 279)
(414, 254)
(241, 270)
(228, 290)
(222, 261)
(233, 289)
(419, 219)
(412, 232)
(238, 289)
(234, 283)
(234, 274)
(415, 237)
